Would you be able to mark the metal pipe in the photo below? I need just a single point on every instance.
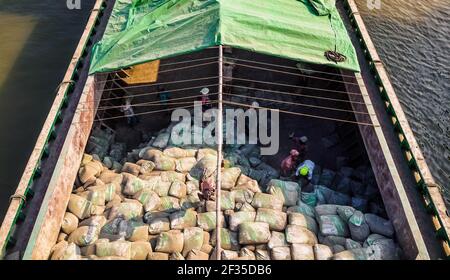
(219, 132)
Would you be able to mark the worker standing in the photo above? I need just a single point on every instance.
(164, 98)
(205, 98)
(128, 111)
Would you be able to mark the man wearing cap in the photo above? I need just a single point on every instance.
(305, 170)
(205, 97)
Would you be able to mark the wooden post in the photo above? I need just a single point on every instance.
(219, 138)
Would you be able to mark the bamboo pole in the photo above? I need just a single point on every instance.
(219, 138)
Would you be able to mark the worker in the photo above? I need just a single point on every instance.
(207, 186)
(228, 68)
(305, 170)
(164, 96)
(205, 98)
(300, 144)
(128, 111)
(289, 163)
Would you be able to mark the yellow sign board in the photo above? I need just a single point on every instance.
(142, 73)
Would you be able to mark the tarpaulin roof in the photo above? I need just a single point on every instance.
(144, 30)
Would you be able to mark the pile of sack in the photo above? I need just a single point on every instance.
(147, 206)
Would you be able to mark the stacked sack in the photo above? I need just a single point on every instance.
(147, 206)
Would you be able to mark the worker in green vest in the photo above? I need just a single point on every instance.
(305, 172)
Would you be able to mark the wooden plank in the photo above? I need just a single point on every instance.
(13, 208)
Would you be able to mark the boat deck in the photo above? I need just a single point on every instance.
(29, 220)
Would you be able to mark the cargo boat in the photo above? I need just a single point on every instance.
(411, 197)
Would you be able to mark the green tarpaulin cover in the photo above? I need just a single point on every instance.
(144, 30)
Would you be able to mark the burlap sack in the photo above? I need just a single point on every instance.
(79, 206)
(254, 233)
(263, 200)
(281, 253)
(183, 219)
(116, 248)
(240, 217)
(170, 242)
(193, 239)
(230, 177)
(301, 235)
(288, 192)
(140, 250)
(207, 221)
(69, 223)
(302, 252)
(84, 235)
(276, 219)
(178, 189)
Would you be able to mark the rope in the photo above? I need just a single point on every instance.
(211, 85)
(188, 61)
(148, 93)
(63, 83)
(293, 68)
(298, 114)
(293, 86)
(187, 67)
(160, 102)
(299, 104)
(335, 56)
(22, 197)
(165, 71)
(164, 83)
(307, 96)
(295, 74)
(144, 113)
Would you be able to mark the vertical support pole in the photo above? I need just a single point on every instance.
(219, 138)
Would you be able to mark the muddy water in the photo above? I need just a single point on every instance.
(37, 41)
(413, 39)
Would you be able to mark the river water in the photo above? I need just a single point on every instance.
(413, 40)
(37, 41)
(38, 38)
